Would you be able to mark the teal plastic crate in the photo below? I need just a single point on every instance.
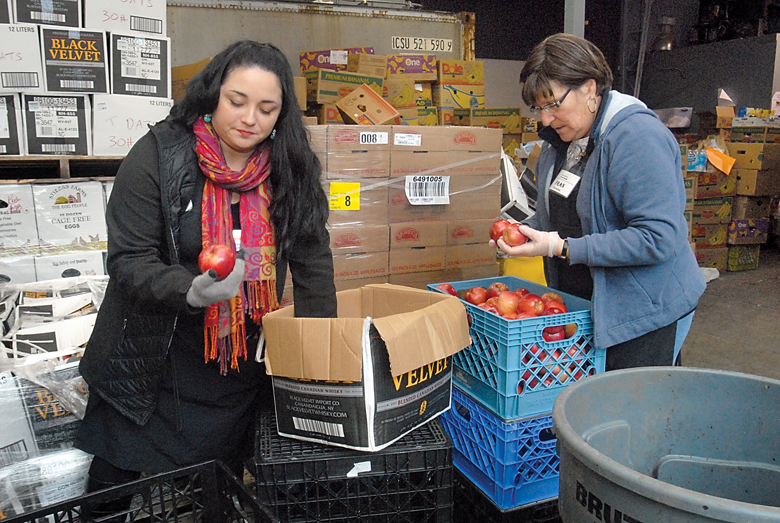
(509, 367)
(514, 464)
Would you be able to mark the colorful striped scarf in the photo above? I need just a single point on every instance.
(225, 331)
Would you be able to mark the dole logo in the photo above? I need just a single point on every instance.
(347, 240)
(466, 137)
(451, 68)
(407, 234)
(462, 231)
(347, 136)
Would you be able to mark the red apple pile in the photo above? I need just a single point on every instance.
(560, 366)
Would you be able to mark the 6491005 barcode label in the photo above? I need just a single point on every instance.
(428, 190)
(312, 425)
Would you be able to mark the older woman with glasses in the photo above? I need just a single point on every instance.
(609, 212)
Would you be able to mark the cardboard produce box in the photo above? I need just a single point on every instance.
(357, 203)
(21, 68)
(358, 265)
(716, 258)
(417, 259)
(743, 257)
(323, 85)
(505, 118)
(712, 210)
(453, 116)
(753, 182)
(364, 106)
(327, 114)
(370, 64)
(754, 155)
(748, 231)
(461, 72)
(355, 151)
(709, 235)
(421, 67)
(417, 234)
(459, 96)
(359, 238)
(469, 255)
(333, 59)
(690, 183)
(756, 207)
(363, 380)
(12, 140)
(715, 183)
(123, 16)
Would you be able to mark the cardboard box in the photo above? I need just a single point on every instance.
(51, 12)
(370, 64)
(323, 86)
(709, 235)
(417, 234)
(452, 116)
(409, 116)
(715, 183)
(17, 269)
(70, 217)
(762, 156)
(357, 265)
(505, 118)
(725, 115)
(358, 152)
(421, 67)
(16, 438)
(399, 91)
(427, 116)
(423, 92)
(459, 96)
(364, 106)
(74, 60)
(55, 336)
(420, 280)
(690, 183)
(332, 59)
(12, 140)
(18, 231)
(70, 265)
(743, 257)
(471, 198)
(460, 232)
(357, 203)
(367, 378)
(461, 72)
(181, 74)
(714, 258)
(120, 120)
(121, 16)
(21, 68)
(756, 207)
(748, 231)
(359, 238)
(300, 91)
(6, 16)
(327, 114)
(57, 124)
(712, 210)
(468, 255)
(752, 182)
(140, 65)
(417, 259)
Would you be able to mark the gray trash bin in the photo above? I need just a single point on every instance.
(669, 444)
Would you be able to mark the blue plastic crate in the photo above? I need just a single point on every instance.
(509, 367)
(512, 463)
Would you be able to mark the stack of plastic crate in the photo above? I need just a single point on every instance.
(410, 481)
(505, 384)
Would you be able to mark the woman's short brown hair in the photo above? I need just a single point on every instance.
(566, 59)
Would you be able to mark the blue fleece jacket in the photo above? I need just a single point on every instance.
(635, 238)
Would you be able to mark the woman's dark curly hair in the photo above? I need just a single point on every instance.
(299, 204)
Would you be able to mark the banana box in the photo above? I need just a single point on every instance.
(328, 114)
(324, 86)
(506, 118)
(690, 183)
(333, 59)
(709, 235)
(715, 183)
(370, 64)
(399, 91)
(408, 116)
(428, 116)
(743, 257)
(364, 106)
(714, 258)
(420, 67)
(461, 72)
(751, 207)
(712, 210)
(451, 116)
(423, 92)
(748, 232)
(752, 182)
(459, 96)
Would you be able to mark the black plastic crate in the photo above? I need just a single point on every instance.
(471, 506)
(204, 493)
(409, 481)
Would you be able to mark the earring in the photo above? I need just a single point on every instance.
(595, 105)
(207, 118)
(273, 134)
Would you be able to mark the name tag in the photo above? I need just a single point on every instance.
(565, 183)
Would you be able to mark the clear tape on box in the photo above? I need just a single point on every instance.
(48, 320)
(43, 480)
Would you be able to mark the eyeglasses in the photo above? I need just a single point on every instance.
(551, 107)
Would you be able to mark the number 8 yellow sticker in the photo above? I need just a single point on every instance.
(345, 196)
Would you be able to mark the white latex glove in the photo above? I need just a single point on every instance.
(539, 243)
(206, 290)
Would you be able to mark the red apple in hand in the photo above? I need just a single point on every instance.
(512, 235)
(507, 303)
(446, 287)
(497, 229)
(220, 258)
(476, 295)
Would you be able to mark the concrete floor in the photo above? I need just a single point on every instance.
(737, 321)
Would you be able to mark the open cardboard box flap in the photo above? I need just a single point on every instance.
(417, 326)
